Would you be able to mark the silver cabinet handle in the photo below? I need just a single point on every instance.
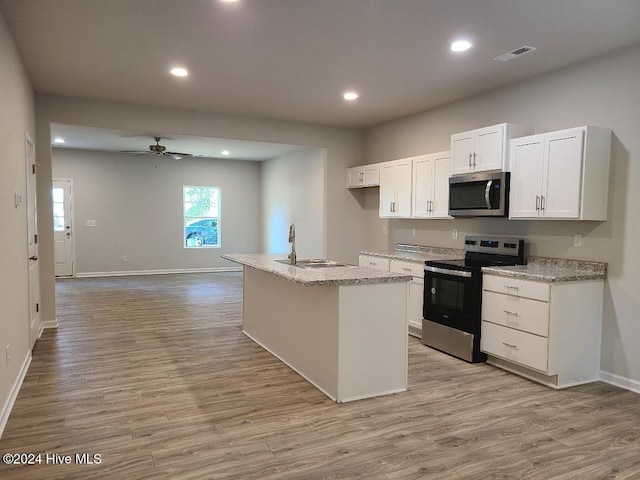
(515, 314)
(474, 159)
(542, 202)
(361, 177)
(508, 287)
(470, 160)
(406, 269)
(537, 203)
(510, 345)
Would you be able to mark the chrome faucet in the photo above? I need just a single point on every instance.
(292, 241)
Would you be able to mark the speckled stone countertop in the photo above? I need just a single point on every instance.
(418, 254)
(349, 275)
(549, 269)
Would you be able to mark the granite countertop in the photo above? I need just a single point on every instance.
(549, 269)
(349, 275)
(418, 254)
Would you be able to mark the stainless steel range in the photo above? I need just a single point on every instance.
(452, 305)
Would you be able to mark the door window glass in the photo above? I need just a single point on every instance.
(58, 209)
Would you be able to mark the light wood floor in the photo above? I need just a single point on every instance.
(154, 374)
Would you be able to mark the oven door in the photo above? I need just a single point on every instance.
(452, 298)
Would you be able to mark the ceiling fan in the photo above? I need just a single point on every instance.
(158, 149)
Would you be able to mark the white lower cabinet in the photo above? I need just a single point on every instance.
(416, 285)
(416, 292)
(548, 332)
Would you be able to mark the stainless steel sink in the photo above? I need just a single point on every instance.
(314, 263)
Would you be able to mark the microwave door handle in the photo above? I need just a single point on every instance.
(487, 194)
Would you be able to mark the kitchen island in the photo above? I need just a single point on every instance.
(343, 328)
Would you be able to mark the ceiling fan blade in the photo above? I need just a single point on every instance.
(180, 154)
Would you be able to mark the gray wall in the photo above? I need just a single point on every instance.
(136, 202)
(293, 191)
(603, 92)
(16, 121)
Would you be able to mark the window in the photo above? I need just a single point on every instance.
(58, 209)
(201, 216)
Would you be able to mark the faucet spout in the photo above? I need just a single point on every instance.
(292, 240)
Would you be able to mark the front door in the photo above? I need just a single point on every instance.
(32, 244)
(62, 228)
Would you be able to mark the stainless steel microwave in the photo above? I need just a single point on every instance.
(482, 194)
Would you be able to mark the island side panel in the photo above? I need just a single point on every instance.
(296, 323)
(373, 340)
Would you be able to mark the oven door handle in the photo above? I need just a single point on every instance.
(487, 194)
(444, 271)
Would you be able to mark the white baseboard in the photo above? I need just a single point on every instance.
(620, 381)
(48, 324)
(157, 272)
(13, 393)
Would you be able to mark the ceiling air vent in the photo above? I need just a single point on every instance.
(514, 53)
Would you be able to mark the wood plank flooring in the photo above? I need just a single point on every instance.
(154, 374)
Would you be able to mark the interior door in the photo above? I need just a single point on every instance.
(32, 244)
(62, 228)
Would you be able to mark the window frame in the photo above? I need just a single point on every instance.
(201, 218)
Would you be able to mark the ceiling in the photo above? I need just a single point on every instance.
(293, 59)
(110, 140)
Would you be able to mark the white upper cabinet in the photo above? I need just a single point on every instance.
(561, 175)
(483, 149)
(363, 176)
(431, 185)
(395, 188)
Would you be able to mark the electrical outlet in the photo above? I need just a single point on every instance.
(8, 354)
(385, 229)
(577, 240)
(454, 234)
(125, 258)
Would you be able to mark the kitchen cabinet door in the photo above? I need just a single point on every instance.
(462, 145)
(442, 172)
(431, 186)
(363, 176)
(489, 148)
(563, 152)
(423, 185)
(527, 171)
(395, 189)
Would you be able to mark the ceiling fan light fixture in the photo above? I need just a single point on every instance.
(350, 96)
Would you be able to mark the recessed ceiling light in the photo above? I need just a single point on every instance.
(460, 46)
(58, 140)
(350, 96)
(225, 152)
(179, 72)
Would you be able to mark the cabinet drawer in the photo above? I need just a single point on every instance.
(415, 269)
(517, 287)
(514, 345)
(374, 262)
(516, 312)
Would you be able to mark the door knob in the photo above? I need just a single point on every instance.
(34, 258)
(68, 234)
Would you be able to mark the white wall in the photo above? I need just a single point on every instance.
(136, 202)
(602, 92)
(16, 121)
(293, 191)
